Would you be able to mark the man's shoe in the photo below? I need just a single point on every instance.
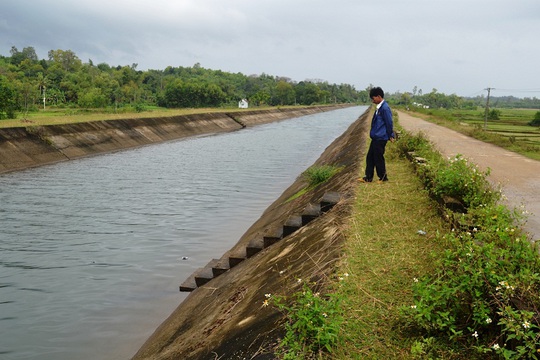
(381, 181)
(365, 180)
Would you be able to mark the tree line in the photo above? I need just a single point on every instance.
(435, 99)
(28, 83)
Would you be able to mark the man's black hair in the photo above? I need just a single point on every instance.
(376, 91)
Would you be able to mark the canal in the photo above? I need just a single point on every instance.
(92, 251)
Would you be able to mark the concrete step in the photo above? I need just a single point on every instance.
(254, 246)
(237, 258)
(189, 284)
(221, 266)
(272, 237)
(292, 224)
(329, 200)
(205, 274)
(310, 213)
(217, 267)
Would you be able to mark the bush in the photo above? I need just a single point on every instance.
(536, 120)
(316, 175)
(313, 322)
(463, 181)
(485, 292)
(494, 114)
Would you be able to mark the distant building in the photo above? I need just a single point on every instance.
(243, 104)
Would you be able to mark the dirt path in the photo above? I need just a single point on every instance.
(518, 176)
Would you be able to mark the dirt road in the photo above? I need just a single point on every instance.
(518, 176)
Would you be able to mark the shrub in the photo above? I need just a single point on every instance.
(536, 120)
(313, 323)
(316, 175)
(494, 114)
(485, 292)
(463, 180)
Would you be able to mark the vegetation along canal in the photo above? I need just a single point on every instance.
(92, 251)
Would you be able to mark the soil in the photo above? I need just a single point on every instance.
(517, 175)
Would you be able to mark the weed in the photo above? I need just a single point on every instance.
(316, 175)
(313, 323)
(484, 293)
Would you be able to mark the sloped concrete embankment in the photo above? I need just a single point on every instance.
(295, 238)
(21, 148)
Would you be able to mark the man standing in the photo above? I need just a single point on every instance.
(382, 130)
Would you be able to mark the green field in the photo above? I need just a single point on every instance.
(510, 131)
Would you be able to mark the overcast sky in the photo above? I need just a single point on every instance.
(455, 46)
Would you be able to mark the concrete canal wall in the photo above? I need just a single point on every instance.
(21, 148)
(297, 240)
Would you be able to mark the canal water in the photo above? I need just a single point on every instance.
(92, 251)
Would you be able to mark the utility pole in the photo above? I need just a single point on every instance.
(487, 107)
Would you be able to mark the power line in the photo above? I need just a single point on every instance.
(521, 90)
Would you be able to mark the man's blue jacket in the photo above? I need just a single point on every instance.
(382, 126)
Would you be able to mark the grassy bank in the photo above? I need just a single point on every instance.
(68, 116)
(385, 252)
(392, 239)
(414, 286)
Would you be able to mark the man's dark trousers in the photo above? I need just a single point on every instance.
(375, 160)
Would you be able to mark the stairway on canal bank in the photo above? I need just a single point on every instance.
(297, 239)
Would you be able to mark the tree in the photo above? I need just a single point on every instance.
(64, 79)
(29, 53)
(284, 94)
(9, 102)
(307, 93)
(66, 58)
(92, 98)
(405, 98)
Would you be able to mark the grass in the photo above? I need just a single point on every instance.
(314, 176)
(510, 131)
(383, 254)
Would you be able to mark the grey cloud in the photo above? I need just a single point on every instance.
(455, 46)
